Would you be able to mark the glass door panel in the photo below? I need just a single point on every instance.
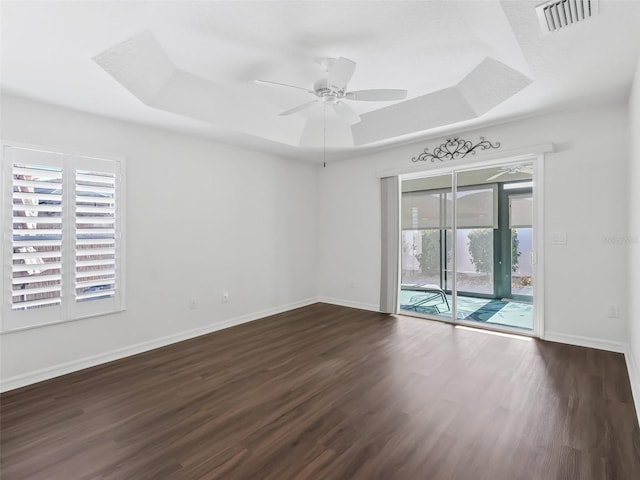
(476, 222)
(426, 217)
(493, 212)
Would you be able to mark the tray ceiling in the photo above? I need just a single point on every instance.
(191, 66)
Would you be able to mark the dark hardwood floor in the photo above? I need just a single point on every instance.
(327, 392)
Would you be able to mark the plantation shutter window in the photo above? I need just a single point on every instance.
(96, 230)
(62, 218)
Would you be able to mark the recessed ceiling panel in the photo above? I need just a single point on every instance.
(139, 64)
(490, 83)
(417, 114)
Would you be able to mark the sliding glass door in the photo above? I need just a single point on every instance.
(468, 246)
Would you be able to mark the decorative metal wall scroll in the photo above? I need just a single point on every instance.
(454, 148)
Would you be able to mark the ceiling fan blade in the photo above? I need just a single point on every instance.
(499, 174)
(378, 95)
(267, 82)
(346, 113)
(298, 108)
(340, 72)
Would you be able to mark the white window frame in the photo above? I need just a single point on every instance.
(69, 309)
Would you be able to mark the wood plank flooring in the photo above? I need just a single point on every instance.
(327, 392)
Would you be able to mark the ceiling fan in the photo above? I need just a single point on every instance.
(331, 90)
(511, 170)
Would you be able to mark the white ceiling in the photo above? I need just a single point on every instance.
(494, 51)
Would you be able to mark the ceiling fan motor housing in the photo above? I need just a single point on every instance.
(328, 93)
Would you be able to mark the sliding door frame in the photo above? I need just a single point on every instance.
(537, 160)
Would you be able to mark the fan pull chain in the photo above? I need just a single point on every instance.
(324, 134)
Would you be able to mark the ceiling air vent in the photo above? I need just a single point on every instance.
(558, 14)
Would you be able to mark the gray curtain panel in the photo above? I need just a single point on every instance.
(390, 261)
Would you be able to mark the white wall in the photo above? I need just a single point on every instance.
(201, 218)
(277, 233)
(633, 356)
(585, 193)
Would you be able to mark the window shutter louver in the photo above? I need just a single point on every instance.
(95, 235)
(36, 236)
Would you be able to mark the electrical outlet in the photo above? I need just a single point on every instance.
(225, 297)
(613, 311)
(193, 304)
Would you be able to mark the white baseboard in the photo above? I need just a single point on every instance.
(29, 378)
(348, 303)
(611, 346)
(634, 379)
